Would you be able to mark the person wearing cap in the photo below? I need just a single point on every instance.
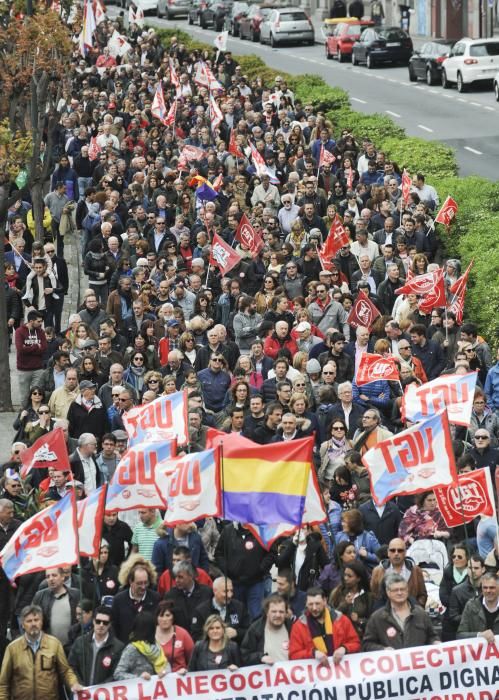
(304, 338)
(87, 413)
(84, 464)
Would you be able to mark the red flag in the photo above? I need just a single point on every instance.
(337, 237)
(406, 186)
(189, 153)
(216, 114)
(350, 178)
(436, 297)
(421, 284)
(457, 305)
(93, 149)
(169, 120)
(363, 312)
(326, 157)
(247, 235)
(222, 255)
(90, 517)
(472, 496)
(48, 451)
(233, 147)
(448, 212)
(462, 282)
(373, 367)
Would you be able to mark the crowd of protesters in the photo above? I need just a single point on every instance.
(265, 351)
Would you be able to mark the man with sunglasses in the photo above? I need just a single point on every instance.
(398, 563)
(95, 655)
(483, 453)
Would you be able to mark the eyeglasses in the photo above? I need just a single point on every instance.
(36, 393)
(115, 396)
(102, 622)
(338, 427)
(160, 223)
(457, 556)
(43, 413)
(138, 359)
(399, 551)
(153, 381)
(123, 400)
(52, 250)
(404, 347)
(216, 359)
(481, 437)
(327, 372)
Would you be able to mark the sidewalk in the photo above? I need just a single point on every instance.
(71, 303)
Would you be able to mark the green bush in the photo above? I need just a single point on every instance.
(472, 236)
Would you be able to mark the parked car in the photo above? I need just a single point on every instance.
(341, 36)
(249, 24)
(144, 5)
(287, 24)
(382, 45)
(426, 64)
(238, 10)
(471, 60)
(173, 8)
(209, 13)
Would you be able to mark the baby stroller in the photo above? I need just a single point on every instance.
(431, 556)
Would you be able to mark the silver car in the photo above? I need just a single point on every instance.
(173, 8)
(287, 24)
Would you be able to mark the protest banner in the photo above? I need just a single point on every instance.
(467, 669)
(454, 392)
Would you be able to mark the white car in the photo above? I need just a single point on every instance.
(290, 24)
(471, 60)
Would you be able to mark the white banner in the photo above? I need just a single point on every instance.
(463, 670)
(455, 392)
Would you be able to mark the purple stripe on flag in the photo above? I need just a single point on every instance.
(263, 508)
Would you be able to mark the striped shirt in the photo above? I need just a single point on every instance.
(144, 536)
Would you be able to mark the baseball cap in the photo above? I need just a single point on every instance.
(172, 323)
(303, 326)
(90, 343)
(86, 384)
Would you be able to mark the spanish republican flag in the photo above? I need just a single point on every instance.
(265, 484)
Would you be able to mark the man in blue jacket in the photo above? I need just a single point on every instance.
(180, 535)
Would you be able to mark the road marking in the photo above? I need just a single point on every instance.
(476, 104)
(357, 99)
(490, 109)
(461, 99)
(436, 92)
(425, 128)
(449, 97)
(392, 80)
(473, 150)
(392, 114)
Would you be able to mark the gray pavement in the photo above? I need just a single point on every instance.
(71, 303)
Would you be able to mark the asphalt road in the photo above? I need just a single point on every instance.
(468, 122)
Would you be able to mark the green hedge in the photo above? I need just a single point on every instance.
(474, 234)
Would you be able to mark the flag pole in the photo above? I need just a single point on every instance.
(207, 275)
(78, 563)
(226, 544)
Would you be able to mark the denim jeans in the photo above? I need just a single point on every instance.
(252, 596)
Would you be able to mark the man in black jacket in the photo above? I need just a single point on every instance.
(95, 655)
(187, 595)
(232, 612)
(267, 639)
(384, 521)
(8, 526)
(136, 597)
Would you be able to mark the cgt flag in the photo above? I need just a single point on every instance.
(163, 418)
(363, 312)
(134, 482)
(190, 487)
(48, 451)
(447, 213)
(223, 256)
(454, 392)
(417, 459)
(373, 367)
(90, 516)
(47, 540)
(473, 495)
(247, 236)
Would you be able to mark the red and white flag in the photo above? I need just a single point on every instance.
(216, 114)
(189, 153)
(462, 282)
(374, 367)
(421, 284)
(169, 120)
(45, 541)
(204, 77)
(326, 157)
(456, 305)
(158, 107)
(455, 392)
(447, 212)
(100, 12)
(93, 149)
(260, 164)
(233, 146)
(337, 237)
(472, 496)
(86, 40)
(49, 450)
(222, 255)
(406, 186)
(118, 45)
(417, 459)
(136, 16)
(247, 236)
(174, 79)
(90, 517)
(436, 297)
(220, 41)
(164, 418)
(363, 312)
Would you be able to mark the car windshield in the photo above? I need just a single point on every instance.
(353, 29)
(391, 34)
(491, 49)
(292, 16)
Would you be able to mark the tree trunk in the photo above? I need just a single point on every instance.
(5, 392)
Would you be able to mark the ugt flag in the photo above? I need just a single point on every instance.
(247, 236)
(448, 212)
(90, 516)
(46, 540)
(373, 367)
(473, 495)
(190, 487)
(48, 451)
(363, 312)
(454, 392)
(417, 459)
(222, 255)
(134, 482)
(164, 418)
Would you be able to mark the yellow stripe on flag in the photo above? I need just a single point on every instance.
(258, 475)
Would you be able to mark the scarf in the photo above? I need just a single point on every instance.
(322, 640)
(153, 653)
(459, 576)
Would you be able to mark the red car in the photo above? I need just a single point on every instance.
(340, 37)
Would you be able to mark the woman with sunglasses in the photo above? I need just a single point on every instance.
(455, 572)
(29, 412)
(136, 371)
(334, 449)
(153, 382)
